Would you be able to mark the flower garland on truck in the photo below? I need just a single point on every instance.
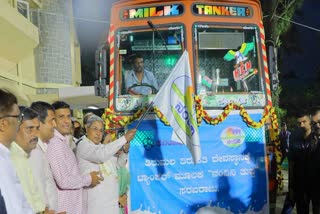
(113, 120)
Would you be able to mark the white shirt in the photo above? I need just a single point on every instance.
(104, 197)
(11, 189)
(43, 175)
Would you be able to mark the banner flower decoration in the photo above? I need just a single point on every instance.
(113, 120)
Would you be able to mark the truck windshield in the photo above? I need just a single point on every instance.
(227, 66)
(146, 57)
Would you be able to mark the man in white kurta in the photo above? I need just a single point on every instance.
(93, 156)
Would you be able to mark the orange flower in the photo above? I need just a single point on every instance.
(112, 119)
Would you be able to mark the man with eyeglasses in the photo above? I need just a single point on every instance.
(11, 189)
(69, 181)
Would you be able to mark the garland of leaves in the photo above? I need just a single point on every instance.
(113, 120)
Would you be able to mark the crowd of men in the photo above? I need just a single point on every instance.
(40, 171)
(38, 166)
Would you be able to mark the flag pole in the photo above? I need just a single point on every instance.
(152, 102)
(144, 114)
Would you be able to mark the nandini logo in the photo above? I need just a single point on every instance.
(182, 105)
(232, 136)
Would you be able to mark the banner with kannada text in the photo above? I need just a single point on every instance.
(230, 177)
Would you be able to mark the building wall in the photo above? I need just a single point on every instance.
(18, 38)
(53, 54)
(38, 58)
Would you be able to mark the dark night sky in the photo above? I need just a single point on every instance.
(303, 57)
(92, 24)
(299, 62)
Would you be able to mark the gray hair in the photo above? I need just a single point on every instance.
(92, 119)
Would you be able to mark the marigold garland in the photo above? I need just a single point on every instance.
(113, 120)
(276, 141)
(161, 116)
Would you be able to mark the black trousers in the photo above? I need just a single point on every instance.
(303, 201)
(2, 205)
(288, 205)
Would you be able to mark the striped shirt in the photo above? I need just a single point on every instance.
(43, 175)
(67, 176)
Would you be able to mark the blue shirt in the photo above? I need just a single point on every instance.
(148, 78)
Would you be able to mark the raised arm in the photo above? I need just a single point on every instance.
(103, 152)
(99, 153)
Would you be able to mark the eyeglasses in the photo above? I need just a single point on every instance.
(19, 117)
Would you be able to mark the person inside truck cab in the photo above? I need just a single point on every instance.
(140, 81)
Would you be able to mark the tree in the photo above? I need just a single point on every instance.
(277, 16)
